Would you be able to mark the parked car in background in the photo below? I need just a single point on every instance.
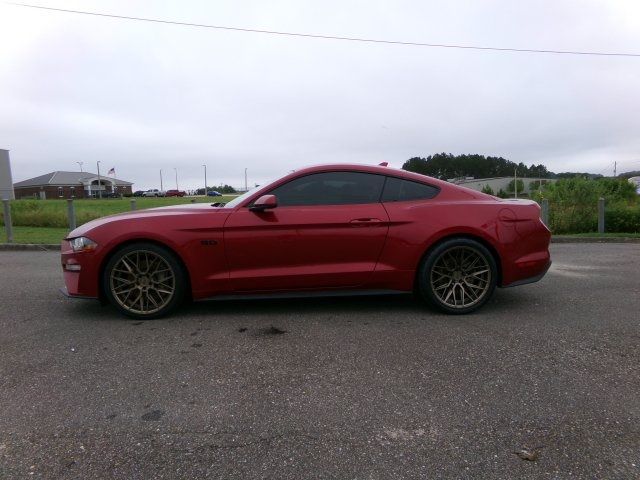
(174, 193)
(138, 193)
(322, 230)
(111, 195)
(213, 193)
(153, 193)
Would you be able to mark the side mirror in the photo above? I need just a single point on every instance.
(263, 203)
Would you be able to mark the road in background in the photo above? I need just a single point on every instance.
(327, 388)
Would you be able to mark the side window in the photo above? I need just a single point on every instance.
(398, 190)
(331, 188)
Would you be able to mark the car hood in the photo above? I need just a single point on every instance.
(136, 215)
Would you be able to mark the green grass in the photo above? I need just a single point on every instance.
(53, 213)
(36, 235)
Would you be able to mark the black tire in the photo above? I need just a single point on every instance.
(144, 281)
(458, 276)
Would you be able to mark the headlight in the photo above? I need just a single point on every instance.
(82, 244)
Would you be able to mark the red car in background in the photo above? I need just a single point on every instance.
(321, 230)
(174, 193)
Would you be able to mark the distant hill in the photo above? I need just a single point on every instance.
(628, 175)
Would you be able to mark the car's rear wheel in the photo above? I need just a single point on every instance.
(144, 280)
(458, 276)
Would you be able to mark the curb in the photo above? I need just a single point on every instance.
(569, 239)
(30, 246)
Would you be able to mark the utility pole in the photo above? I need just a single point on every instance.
(245, 180)
(205, 180)
(515, 181)
(539, 179)
(80, 163)
(615, 169)
(99, 180)
(161, 189)
(176, 177)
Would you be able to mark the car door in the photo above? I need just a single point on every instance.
(327, 231)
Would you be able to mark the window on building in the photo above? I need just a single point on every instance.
(60, 192)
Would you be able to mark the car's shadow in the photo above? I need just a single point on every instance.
(503, 302)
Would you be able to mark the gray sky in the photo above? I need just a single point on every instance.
(142, 96)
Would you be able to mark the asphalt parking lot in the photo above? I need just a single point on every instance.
(366, 388)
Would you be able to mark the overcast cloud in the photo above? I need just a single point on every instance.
(142, 96)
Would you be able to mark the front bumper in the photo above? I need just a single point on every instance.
(65, 292)
(80, 272)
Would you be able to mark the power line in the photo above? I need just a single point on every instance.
(605, 168)
(331, 37)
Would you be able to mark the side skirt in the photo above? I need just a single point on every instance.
(309, 294)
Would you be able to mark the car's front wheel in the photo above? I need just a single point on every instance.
(458, 276)
(144, 280)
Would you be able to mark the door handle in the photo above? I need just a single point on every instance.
(363, 222)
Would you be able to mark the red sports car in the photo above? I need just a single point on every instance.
(324, 230)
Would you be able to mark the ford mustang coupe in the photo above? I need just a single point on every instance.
(323, 230)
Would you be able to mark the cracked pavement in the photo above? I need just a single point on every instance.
(543, 382)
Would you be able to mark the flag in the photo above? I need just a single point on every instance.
(112, 171)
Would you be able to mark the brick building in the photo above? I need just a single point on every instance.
(70, 185)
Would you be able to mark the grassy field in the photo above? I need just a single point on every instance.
(53, 213)
(36, 235)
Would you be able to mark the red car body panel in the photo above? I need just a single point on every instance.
(295, 248)
(323, 247)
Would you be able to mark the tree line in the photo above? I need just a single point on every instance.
(446, 165)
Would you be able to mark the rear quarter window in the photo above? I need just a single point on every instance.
(399, 190)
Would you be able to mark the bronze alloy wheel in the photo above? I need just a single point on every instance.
(458, 276)
(142, 282)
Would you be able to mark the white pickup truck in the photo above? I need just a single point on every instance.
(153, 193)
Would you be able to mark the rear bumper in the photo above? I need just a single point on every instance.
(531, 279)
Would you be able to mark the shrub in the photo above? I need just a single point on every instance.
(622, 219)
(513, 184)
(573, 203)
(487, 189)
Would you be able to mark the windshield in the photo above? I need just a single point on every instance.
(238, 200)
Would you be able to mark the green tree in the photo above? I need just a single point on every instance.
(537, 184)
(226, 189)
(519, 184)
(446, 165)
